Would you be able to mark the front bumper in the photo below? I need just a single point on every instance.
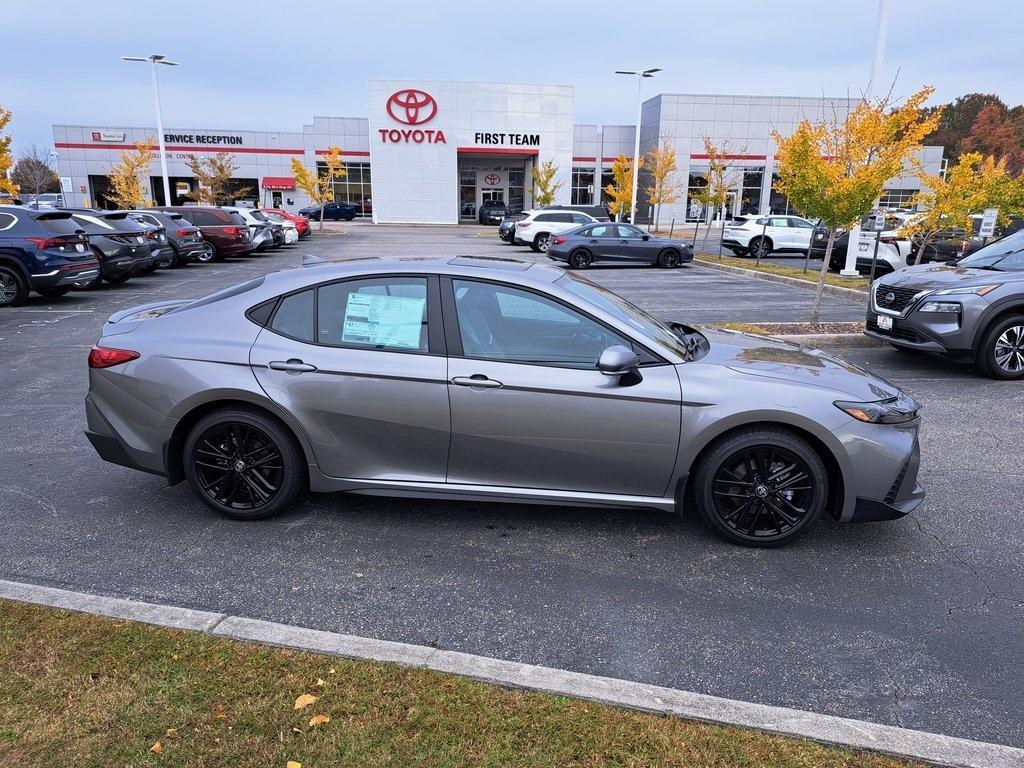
(945, 333)
(905, 494)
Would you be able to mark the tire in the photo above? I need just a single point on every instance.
(208, 254)
(178, 262)
(540, 242)
(668, 258)
(580, 258)
(350, 217)
(13, 287)
(734, 507)
(759, 247)
(1001, 352)
(54, 293)
(124, 277)
(226, 439)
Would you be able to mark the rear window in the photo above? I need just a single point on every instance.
(58, 224)
(206, 219)
(257, 215)
(227, 293)
(236, 218)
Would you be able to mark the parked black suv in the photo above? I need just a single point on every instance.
(970, 310)
(492, 212)
(185, 239)
(41, 250)
(121, 244)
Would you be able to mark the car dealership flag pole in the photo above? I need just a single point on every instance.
(636, 139)
(155, 59)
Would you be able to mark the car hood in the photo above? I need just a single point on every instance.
(774, 358)
(936, 276)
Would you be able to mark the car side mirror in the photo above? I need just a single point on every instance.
(619, 361)
(645, 237)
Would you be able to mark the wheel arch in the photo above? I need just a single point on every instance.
(993, 315)
(196, 410)
(837, 501)
(9, 259)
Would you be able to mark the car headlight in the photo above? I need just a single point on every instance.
(894, 410)
(940, 306)
(977, 290)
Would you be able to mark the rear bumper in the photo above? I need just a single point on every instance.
(117, 266)
(67, 275)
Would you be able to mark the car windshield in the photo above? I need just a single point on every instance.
(653, 329)
(1005, 255)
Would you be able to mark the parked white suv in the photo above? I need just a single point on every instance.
(537, 228)
(762, 235)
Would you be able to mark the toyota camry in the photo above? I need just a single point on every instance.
(492, 379)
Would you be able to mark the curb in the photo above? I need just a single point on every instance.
(832, 340)
(832, 290)
(856, 734)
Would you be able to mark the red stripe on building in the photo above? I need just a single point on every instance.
(230, 149)
(730, 157)
(498, 151)
(584, 159)
(353, 153)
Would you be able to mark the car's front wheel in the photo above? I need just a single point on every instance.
(760, 487)
(1001, 354)
(243, 464)
(580, 258)
(668, 259)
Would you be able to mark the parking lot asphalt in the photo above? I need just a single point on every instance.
(916, 622)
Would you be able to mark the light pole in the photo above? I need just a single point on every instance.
(636, 142)
(155, 59)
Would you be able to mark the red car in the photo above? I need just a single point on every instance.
(301, 222)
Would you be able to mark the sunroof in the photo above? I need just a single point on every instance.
(492, 262)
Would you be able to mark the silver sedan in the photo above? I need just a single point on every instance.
(492, 379)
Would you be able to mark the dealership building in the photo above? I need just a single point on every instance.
(431, 152)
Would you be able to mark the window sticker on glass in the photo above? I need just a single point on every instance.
(383, 321)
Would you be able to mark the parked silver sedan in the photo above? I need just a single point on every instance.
(492, 379)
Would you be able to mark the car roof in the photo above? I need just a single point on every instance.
(497, 268)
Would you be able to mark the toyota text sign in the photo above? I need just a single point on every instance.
(411, 106)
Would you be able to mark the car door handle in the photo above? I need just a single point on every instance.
(594, 242)
(476, 380)
(293, 365)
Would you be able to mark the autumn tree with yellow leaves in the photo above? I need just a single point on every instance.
(836, 170)
(127, 176)
(721, 179)
(6, 157)
(620, 191)
(970, 186)
(544, 185)
(319, 185)
(665, 187)
(214, 175)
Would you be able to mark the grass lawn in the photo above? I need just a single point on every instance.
(772, 268)
(90, 692)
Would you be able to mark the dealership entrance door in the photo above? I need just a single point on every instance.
(492, 177)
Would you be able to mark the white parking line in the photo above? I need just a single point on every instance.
(858, 734)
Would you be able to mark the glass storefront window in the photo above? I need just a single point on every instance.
(353, 187)
(582, 186)
(694, 209)
(750, 194)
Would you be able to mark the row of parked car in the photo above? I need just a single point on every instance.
(580, 236)
(56, 250)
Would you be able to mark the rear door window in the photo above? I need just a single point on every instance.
(206, 219)
(6, 221)
(294, 316)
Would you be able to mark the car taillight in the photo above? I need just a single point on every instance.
(151, 234)
(522, 224)
(42, 243)
(233, 231)
(559, 241)
(183, 232)
(107, 357)
(888, 240)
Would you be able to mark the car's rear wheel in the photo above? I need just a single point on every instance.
(1001, 354)
(206, 255)
(243, 464)
(540, 242)
(760, 487)
(13, 287)
(760, 247)
(668, 258)
(580, 258)
(54, 293)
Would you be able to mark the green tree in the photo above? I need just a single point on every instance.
(544, 185)
(836, 170)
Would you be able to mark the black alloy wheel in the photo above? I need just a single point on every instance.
(13, 288)
(580, 259)
(668, 259)
(761, 487)
(243, 464)
(760, 247)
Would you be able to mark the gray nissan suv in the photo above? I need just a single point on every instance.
(492, 379)
(971, 310)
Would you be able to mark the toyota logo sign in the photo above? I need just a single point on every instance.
(493, 179)
(412, 106)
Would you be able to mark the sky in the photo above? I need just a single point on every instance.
(273, 65)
